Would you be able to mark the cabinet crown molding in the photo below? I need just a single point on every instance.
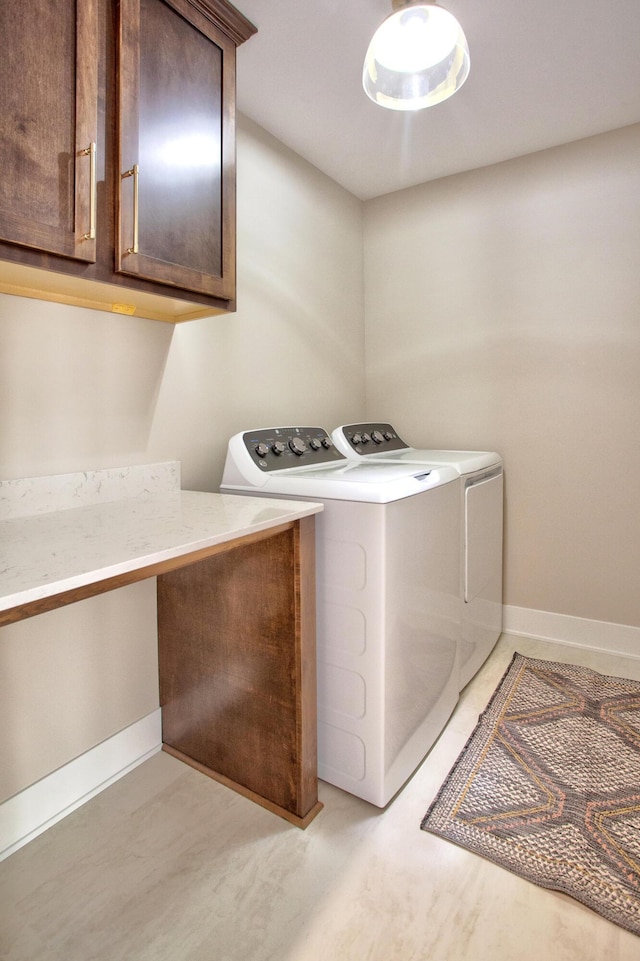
(226, 18)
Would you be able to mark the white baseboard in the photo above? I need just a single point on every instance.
(27, 814)
(622, 639)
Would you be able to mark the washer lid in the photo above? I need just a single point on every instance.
(462, 461)
(323, 486)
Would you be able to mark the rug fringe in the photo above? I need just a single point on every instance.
(469, 740)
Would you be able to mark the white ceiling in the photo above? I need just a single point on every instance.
(543, 73)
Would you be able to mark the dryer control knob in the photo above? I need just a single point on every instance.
(376, 437)
(366, 438)
(278, 448)
(356, 439)
(387, 435)
(327, 443)
(298, 446)
(314, 443)
(261, 450)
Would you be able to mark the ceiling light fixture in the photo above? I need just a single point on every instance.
(417, 57)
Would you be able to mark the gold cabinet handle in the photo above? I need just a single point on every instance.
(134, 172)
(90, 152)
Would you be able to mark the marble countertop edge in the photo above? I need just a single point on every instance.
(45, 555)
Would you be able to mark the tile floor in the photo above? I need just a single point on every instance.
(167, 865)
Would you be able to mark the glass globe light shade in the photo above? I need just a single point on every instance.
(417, 57)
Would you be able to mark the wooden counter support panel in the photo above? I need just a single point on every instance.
(236, 636)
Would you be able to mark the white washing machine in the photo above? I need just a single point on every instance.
(481, 527)
(387, 551)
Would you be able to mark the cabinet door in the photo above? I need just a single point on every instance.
(176, 218)
(48, 125)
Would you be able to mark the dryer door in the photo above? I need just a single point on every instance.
(483, 539)
(482, 570)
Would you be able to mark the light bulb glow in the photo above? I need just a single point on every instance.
(417, 57)
(415, 39)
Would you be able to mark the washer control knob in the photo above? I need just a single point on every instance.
(366, 438)
(327, 443)
(298, 446)
(314, 443)
(387, 435)
(356, 439)
(278, 447)
(261, 450)
(376, 437)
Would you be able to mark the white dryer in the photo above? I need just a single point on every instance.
(481, 527)
(387, 553)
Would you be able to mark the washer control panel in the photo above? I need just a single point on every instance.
(373, 438)
(278, 448)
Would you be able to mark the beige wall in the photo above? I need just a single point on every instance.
(71, 678)
(294, 351)
(82, 389)
(503, 313)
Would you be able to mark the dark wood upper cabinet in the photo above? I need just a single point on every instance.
(177, 190)
(49, 125)
(118, 153)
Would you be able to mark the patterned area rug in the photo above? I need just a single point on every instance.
(548, 785)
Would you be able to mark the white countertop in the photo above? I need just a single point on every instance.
(44, 554)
